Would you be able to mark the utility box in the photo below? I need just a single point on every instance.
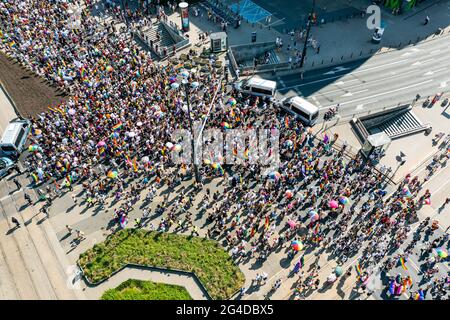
(219, 42)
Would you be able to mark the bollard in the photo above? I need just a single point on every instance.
(342, 57)
(400, 44)
(322, 61)
(409, 42)
(331, 60)
(351, 56)
(360, 54)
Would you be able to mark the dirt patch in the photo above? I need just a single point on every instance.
(31, 94)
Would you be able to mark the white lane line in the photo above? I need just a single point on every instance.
(387, 92)
(340, 76)
(365, 84)
(435, 51)
(380, 66)
(429, 73)
(349, 94)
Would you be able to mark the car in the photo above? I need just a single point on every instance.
(6, 165)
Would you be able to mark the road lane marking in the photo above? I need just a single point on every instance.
(387, 92)
(349, 94)
(334, 77)
(433, 71)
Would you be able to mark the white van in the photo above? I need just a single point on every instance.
(14, 138)
(257, 87)
(303, 110)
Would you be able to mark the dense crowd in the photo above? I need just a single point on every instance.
(114, 136)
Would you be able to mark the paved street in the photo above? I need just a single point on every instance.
(382, 81)
(37, 260)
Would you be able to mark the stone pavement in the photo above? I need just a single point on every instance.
(340, 41)
(148, 275)
(346, 39)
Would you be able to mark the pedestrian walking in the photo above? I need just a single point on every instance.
(16, 222)
(69, 229)
(17, 183)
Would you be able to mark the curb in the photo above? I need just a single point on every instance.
(149, 268)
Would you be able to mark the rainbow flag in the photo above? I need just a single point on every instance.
(35, 177)
(118, 126)
(358, 270)
(252, 232)
(402, 262)
(286, 122)
(266, 224)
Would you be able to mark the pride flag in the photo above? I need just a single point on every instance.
(402, 262)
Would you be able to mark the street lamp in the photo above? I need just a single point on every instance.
(187, 85)
(308, 28)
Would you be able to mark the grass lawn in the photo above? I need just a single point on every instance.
(146, 290)
(206, 258)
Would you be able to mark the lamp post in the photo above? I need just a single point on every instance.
(187, 86)
(194, 158)
(308, 28)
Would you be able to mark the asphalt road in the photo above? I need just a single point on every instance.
(382, 81)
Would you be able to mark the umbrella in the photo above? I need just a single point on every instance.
(71, 112)
(132, 134)
(139, 124)
(428, 201)
(112, 174)
(195, 85)
(126, 50)
(274, 175)
(169, 145)
(226, 125)
(101, 144)
(333, 204)
(159, 114)
(38, 132)
(314, 217)
(172, 79)
(145, 159)
(184, 73)
(338, 271)
(232, 101)
(175, 85)
(292, 224)
(289, 194)
(177, 147)
(33, 147)
(343, 200)
(442, 253)
(297, 245)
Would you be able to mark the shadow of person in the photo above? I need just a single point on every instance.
(11, 230)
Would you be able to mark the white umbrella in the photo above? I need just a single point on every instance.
(145, 159)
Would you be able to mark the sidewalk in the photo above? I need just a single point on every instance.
(340, 41)
(167, 277)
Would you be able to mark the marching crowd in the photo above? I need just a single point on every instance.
(114, 136)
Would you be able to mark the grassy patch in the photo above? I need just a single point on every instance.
(146, 290)
(211, 263)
